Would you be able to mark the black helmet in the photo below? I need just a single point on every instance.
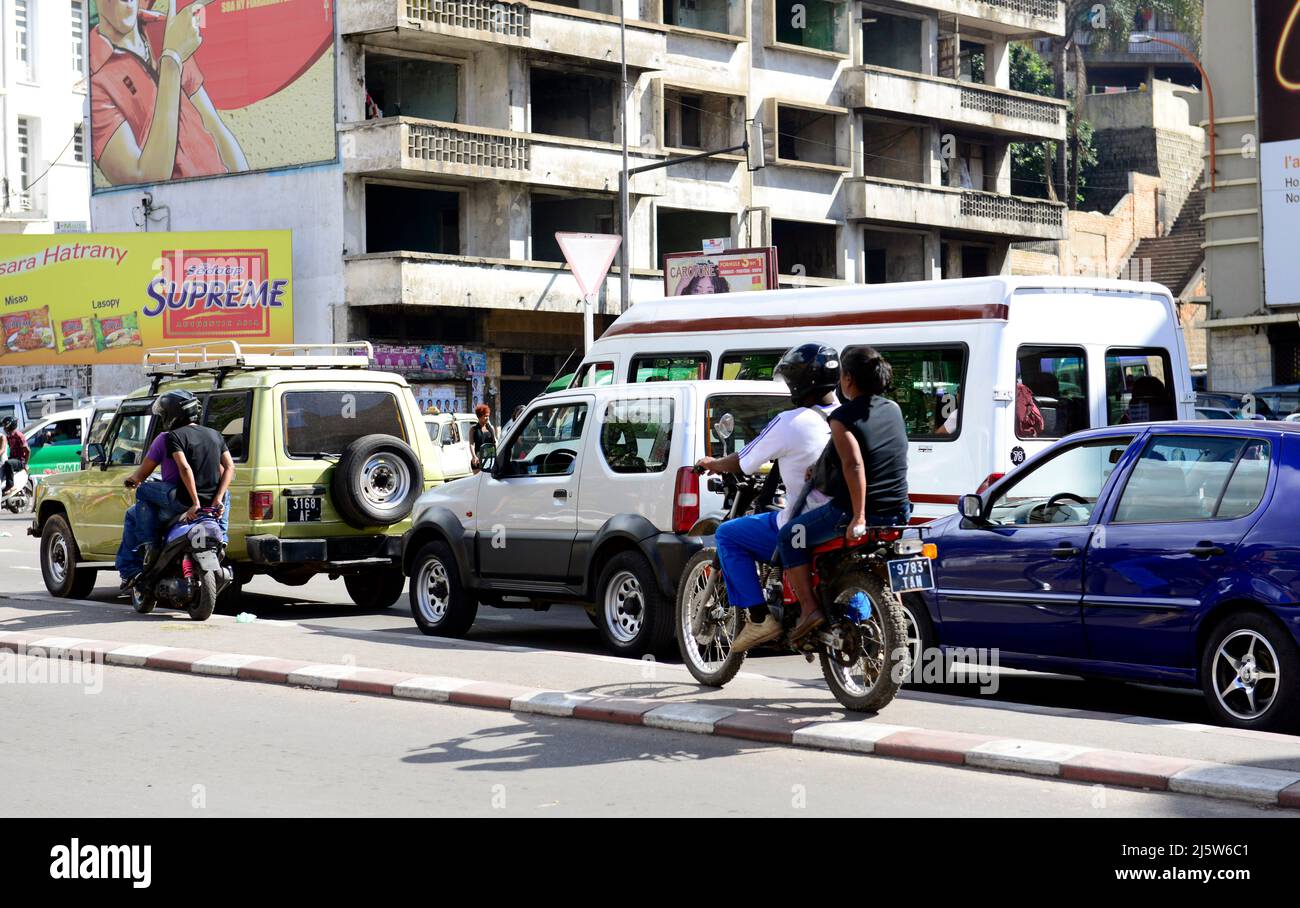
(808, 369)
(176, 409)
(9, 423)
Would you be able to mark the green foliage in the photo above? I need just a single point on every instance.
(1031, 73)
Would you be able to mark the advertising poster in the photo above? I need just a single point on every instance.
(105, 298)
(1277, 30)
(181, 89)
(732, 271)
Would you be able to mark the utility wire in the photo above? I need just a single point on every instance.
(75, 132)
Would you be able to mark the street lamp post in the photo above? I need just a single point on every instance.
(1142, 38)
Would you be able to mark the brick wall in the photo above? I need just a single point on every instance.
(21, 379)
(1174, 157)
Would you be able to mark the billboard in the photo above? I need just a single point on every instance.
(1277, 58)
(732, 271)
(101, 298)
(183, 89)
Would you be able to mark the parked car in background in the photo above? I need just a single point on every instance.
(449, 433)
(590, 498)
(1214, 413)
(45, 402)
(1162, 553)
(1277, 401)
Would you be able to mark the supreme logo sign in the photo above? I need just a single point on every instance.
(227, 293)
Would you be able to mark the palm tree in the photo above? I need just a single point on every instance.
(1112, 21)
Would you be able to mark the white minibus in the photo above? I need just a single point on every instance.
(987, 370)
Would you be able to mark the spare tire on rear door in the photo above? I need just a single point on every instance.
(376, 482)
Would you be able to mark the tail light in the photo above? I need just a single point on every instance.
(686, 500)
(261, 505)
(988, 481)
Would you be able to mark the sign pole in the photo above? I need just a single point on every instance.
(588, 324)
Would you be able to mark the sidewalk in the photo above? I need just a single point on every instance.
(1077, 745)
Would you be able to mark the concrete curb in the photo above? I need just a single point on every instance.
(1253, 785)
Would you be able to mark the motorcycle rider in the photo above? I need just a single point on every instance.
(17, 453)
(795, 438)
(866, 476)
(196, 469)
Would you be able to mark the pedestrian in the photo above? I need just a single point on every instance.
(481, 434)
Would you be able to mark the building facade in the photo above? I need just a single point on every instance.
(470, 132)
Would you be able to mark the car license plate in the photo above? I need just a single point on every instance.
(907, 575)
(304, 509)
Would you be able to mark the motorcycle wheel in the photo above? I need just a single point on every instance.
(711, 663)
(142, 602)
(206, 597)
(871, 680)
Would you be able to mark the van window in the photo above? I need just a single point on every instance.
(749, 365)
(592, 374)
(326, 422)
(1139, 386)
(928, 388)
(636, 435)
(751, 413)
(229, 415)
(669, 367)
(1057, 402)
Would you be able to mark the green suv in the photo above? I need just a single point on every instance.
(330, 458)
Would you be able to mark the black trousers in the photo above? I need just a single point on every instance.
(8, 469)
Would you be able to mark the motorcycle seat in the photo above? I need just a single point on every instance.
(873, 535)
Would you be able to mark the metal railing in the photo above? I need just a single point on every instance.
(1001, 104)
(496, 16)
(439, 143)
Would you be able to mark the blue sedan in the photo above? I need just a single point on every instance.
(1165, 553)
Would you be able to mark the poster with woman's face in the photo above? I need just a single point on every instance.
(185, 89)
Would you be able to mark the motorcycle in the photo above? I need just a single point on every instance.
(187, 570)
(863, 645)
(19, 499)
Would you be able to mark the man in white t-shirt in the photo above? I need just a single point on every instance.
(796, 439)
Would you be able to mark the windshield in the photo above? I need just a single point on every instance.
(326, 422)
(751, 412)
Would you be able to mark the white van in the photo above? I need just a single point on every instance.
(960, 350)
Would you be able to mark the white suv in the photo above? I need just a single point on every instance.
(591, 498)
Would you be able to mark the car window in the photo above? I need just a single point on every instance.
(129, 439)
(1061, 490)
(462, 429)
(1057, 381)
(548, 444)
(669, 367)
(435, 431)
(636, 435)
(928, 388)
(99, 424)
(1139, 386)
(45, 405)
(1181, 477)
(750, 413)
(592, 374)
(749, 365)
(60, 432)
(326, 422)
(229, 415)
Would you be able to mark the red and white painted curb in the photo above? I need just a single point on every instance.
(1269, 787)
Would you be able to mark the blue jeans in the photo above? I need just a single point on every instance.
(155, 504)
(742, 544)
(811, 528)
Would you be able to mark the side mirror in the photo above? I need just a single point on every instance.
(95, 455)
(971, 507)
(487, 457)
(725, 426)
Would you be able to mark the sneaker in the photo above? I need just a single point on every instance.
(754, 633)
(806, 626)
(127, 583)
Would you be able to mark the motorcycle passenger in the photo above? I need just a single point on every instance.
(795, 438)
(196, 468)
(16, 455)
(866, 476)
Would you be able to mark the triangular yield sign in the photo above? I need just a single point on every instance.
(589, 256)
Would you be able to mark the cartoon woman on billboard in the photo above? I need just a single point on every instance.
(151, 117)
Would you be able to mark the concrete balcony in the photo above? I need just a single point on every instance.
(406, 147)
(998, 110)
(432, 25)
(1150, 54)
(916, 204)
(425, 279)
(1016, 18)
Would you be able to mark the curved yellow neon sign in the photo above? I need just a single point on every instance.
(1281, 46)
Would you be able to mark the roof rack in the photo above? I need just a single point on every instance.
(228, 355)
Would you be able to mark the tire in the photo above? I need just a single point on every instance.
(883, 639)
(712, 664)
(376, 482)
(142, 604)
(59, 557)
(206, 602)
(375, 590)
(1256, 702)
(633, 615)
(918, 629)
(440, 604)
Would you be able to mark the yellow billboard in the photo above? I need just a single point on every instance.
(100, 298)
